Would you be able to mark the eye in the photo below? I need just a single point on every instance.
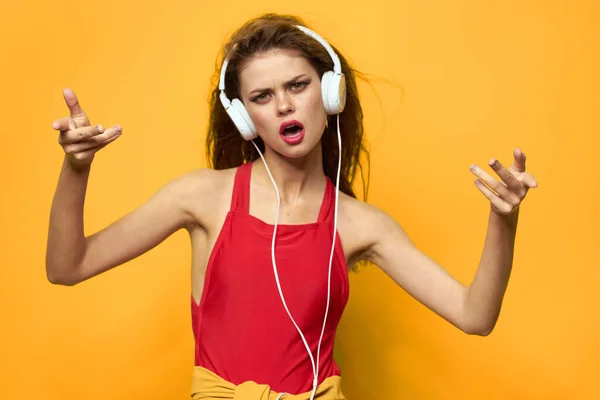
(260, 98)
(299, 85)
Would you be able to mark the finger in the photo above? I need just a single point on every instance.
(107, 137)
(518, 164)
(87, 154)
(84, 147)
(493, 198)
(80, 134)
(73, 103)
(504, 174)
(99, 147)
(498, 187)
(63, 124)
(529, 181)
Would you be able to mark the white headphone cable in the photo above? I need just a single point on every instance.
(315, 366)
(337, 185)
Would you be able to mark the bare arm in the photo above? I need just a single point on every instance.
(392, 251)
(70, 256)
(486, 292)
(66, 242)
(473, 309)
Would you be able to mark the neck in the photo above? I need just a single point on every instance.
(293, 176)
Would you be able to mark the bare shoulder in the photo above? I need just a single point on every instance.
(361, 226)
(204, 192)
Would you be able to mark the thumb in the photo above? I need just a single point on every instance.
(75, 109)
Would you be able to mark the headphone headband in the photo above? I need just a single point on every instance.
(223, 71)
(337, 66)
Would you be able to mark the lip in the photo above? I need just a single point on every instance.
(295, 139)
(285, 124)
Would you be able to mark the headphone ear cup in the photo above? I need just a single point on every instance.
(242, 120)
(333, 91)
(325, 90)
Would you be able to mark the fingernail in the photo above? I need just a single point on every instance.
(55, 125)
(472, 167)
(100, 128)
(118, 128)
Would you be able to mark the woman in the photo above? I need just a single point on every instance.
(269, 277)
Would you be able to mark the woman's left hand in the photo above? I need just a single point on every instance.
(505, 196)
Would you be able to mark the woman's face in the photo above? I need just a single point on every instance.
(280, 89)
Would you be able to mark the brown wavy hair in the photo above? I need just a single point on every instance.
(225, 147)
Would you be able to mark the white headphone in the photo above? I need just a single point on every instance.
(333, 91)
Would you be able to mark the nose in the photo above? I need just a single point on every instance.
(285, 105)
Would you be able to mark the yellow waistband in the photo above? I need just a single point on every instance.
(207, 385)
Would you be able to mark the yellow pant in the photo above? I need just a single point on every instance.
(206, 385)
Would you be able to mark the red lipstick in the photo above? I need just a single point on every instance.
(292, 132)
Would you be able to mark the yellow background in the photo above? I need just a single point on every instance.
(454, 83)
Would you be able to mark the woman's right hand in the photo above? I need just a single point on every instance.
(79, 140)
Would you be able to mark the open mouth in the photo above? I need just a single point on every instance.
(292, 132)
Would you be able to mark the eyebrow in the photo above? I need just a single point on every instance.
(260, 90)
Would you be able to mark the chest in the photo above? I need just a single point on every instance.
(297, 251)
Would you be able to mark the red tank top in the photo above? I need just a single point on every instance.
(241, 329)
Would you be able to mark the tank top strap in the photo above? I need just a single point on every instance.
(328, 205)
(241, 189)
